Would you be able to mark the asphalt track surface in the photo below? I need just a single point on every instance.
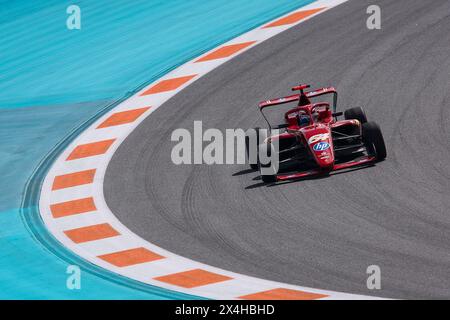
(325, 232)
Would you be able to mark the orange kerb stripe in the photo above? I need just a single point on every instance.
(226, 51)
(73, 179)
(168, 85)
(283, 294)
(130, 257)
(293, 18)
(122, 117)
(90, 149)
(91, 233)
(69, 208)
(192, 278)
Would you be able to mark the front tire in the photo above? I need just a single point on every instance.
(374, 141)
(256, 135)
(356, 113)
(267, 171)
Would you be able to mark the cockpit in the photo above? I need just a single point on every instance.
(303, 119)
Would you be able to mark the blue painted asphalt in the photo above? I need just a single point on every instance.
(52, 79)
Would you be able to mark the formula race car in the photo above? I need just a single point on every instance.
(312, 141)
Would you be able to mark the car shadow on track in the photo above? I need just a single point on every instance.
(274, 184)
(242, 172)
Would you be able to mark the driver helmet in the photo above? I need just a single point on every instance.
(304, 119)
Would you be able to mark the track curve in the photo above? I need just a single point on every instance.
(324, 232)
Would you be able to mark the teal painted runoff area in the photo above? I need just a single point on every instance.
(52, 79)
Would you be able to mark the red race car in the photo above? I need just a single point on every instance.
(312, 141)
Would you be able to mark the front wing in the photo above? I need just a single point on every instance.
(358, 162)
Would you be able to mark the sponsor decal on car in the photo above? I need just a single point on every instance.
(324, 155)
(318, 137)
(321, 146)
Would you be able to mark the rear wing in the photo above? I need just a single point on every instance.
(296, 97)
(277, 101)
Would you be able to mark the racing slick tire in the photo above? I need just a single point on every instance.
(256, 135)
(267, 170)
(356, 113)
(374, 141)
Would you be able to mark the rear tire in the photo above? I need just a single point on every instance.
(374, 141)
(356, 113)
